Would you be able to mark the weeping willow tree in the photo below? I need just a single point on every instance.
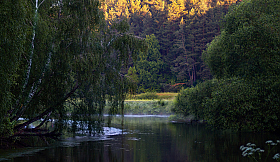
(57, 51)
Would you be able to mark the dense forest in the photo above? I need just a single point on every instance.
(90, 53)
(224, 53)
(244, 61)
(177, 31)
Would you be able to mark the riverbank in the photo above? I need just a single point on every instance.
(147, 138)
(152, 96)
(145, 107)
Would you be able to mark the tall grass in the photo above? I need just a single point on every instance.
(152, 96)
(141, 104)
(167, 95)
(146, 107)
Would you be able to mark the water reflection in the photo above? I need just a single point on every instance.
(151, 138)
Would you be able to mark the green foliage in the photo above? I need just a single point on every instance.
(248, 48)
(132, 74)
(147, 96)
(6, 128)
(12, 46)
(133, 78)
(249, 42)
(53, 51)
(150, 67)
(147, 107)
(191, 101)
(232, 104)
(182, 29)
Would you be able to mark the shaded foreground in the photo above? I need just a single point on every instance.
(145, 138)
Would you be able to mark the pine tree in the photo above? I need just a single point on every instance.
(135, 6)
(176, 10)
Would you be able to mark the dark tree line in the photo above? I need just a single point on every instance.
(183, 28)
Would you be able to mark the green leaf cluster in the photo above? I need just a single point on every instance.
(53, 52)
(190, 101)
(245, 60)
(249, 42)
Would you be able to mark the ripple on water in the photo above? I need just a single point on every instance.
(107, 132)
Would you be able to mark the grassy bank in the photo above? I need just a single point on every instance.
(146, 107)
(150, 104)
(152, 96)
(141, 104)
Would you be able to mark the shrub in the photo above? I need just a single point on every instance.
(233, 104)
(238, 104)
(190, 100)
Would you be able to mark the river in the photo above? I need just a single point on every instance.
(143, 138)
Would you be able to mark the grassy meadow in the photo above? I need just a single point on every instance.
(152, 96)
(148, 104)
(140, 104)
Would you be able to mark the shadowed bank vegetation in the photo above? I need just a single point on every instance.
(245, 61)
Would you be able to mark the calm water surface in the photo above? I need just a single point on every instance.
(145, 139)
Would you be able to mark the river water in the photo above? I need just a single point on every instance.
(145, 139)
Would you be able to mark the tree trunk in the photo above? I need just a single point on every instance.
(47, 111)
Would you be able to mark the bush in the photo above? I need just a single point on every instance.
(233, 104)
(6, 128)
(190, 100)
(242, 105)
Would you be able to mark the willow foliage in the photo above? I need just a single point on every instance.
(56, 51)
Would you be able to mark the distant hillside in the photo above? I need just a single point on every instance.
(182, 27)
